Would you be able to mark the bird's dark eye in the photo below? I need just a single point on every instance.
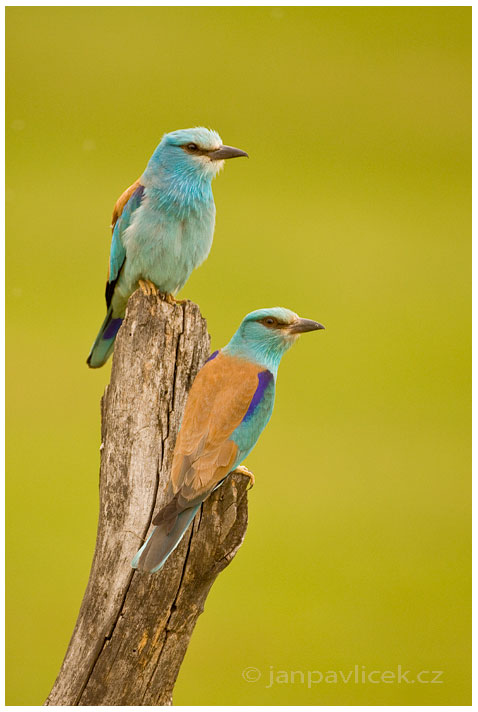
(192, 147)
(269, 321)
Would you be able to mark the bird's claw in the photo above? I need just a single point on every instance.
(147, 287)
(244, 471)
(169, 299)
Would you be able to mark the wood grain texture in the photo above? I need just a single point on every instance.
(133, 629)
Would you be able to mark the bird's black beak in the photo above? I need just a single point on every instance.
(304, 325)
(226, 152)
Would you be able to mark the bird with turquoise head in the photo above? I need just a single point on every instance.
(163, 225)
(228, 406)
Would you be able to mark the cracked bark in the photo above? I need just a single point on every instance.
(133, 629)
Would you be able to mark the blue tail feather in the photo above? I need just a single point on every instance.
(161, 543)
(103, 346)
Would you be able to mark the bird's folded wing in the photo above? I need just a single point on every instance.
(217, 403)
(124, 208)
(122, 200)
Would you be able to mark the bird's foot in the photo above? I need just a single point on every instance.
(144, 287)
(153, 288)
(169, 299)
(244, 471)
(148, 287)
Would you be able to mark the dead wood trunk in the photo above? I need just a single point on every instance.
(133, 629)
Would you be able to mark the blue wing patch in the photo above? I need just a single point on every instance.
(257, 416)
(264, 377)
(212, 356)
(118, 252)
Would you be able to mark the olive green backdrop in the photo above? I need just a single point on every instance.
(354, 209)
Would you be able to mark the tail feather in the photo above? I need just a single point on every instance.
(103, 346)
(162, 541)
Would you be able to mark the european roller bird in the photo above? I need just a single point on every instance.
(163, 225)
(228, 406)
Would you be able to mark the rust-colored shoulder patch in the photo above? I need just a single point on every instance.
(122, 200)
(217, 403)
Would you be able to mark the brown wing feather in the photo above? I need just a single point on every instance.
(122, 200)
(217, 403)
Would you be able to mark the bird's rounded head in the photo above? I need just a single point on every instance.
(266, 334)
(196, 152)
(204, 139)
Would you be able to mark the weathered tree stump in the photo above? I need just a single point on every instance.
(133, 629)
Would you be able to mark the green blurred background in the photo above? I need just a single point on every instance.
(353, 209)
